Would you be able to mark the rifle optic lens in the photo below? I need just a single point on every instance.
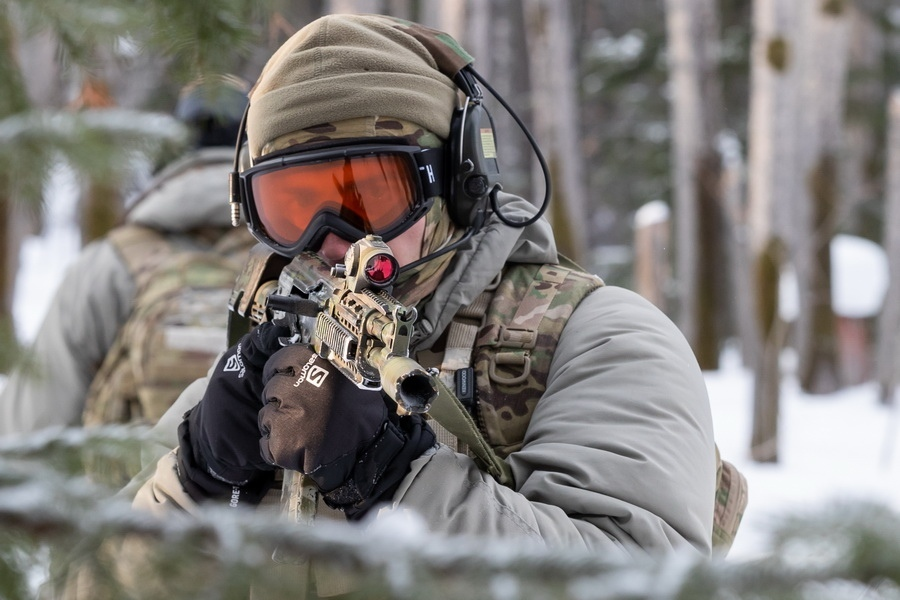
(381, 269)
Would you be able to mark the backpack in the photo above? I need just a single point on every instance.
(177, 326)
(509, 335)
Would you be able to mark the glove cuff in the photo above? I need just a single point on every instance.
(381, 466)
(202, 484)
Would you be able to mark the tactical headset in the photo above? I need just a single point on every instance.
(472, 166)
(474, 171)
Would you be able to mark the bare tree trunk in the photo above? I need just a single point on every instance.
(101, 201)
(451, 18)
(888, 352)
(822, 67)
(502, 57)
(696, 121)
(770, 172)
(741, 299)
(45, 87)
(400, 9)
(556, 114)
(767, 375)
(116, 82)
(476, 38)
(867, 52)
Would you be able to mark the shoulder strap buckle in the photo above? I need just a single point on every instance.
(522, 359)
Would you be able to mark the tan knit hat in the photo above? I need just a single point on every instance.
(342, 67)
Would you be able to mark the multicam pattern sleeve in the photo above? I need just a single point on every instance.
(619, 456)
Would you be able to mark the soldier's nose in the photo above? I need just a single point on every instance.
(333, 249)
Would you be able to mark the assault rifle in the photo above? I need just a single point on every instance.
(345, 313)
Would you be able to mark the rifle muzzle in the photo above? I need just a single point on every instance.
(411, 387)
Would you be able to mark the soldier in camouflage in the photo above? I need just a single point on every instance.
(83, 367)
(589, 395)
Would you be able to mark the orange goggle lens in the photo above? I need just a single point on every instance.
(372, 193)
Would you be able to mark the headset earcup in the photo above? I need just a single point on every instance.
(474, 171)
(457, 204)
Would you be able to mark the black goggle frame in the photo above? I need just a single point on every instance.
(428, 163)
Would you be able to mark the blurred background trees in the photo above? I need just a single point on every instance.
(760, 127)
(706, 153)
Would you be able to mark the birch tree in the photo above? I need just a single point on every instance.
(771, 153)
(556, 119)
(822, 69)
(696, 104)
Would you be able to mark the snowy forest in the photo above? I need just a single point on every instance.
(706, 153)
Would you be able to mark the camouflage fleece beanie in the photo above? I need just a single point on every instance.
(342, 67)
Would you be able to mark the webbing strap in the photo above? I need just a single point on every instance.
(454, 426)
(461, 337)
(449, 411)
(532, 308)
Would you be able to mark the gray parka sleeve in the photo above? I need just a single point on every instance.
(91, 303)
(619, 456)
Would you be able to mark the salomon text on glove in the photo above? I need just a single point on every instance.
(349, 441)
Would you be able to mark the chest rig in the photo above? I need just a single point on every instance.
(499, 348)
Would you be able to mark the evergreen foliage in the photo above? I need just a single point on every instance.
(103, 146)
(198, 39)
(56, 523)
(100, 143)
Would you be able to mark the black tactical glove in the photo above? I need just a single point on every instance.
(349, 441)
(218, 456)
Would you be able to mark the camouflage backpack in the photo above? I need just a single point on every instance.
(506, 338)
(177, 325)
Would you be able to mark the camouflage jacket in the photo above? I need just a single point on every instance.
(618, 455)
(94, 298)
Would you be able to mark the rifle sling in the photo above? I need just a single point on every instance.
(452, 415)
(453, 424)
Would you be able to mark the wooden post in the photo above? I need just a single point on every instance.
(652, 247)
(887, 358)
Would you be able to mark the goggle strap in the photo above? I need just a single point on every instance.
(430, 164)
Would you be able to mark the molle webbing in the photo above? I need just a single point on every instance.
(516, 344)
(519, 325)
(504, 324)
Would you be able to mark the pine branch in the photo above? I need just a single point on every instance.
(99, 144)
(846, 551)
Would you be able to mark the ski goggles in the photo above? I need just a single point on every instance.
(292, 201)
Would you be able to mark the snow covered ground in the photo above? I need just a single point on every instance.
(832, 447)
